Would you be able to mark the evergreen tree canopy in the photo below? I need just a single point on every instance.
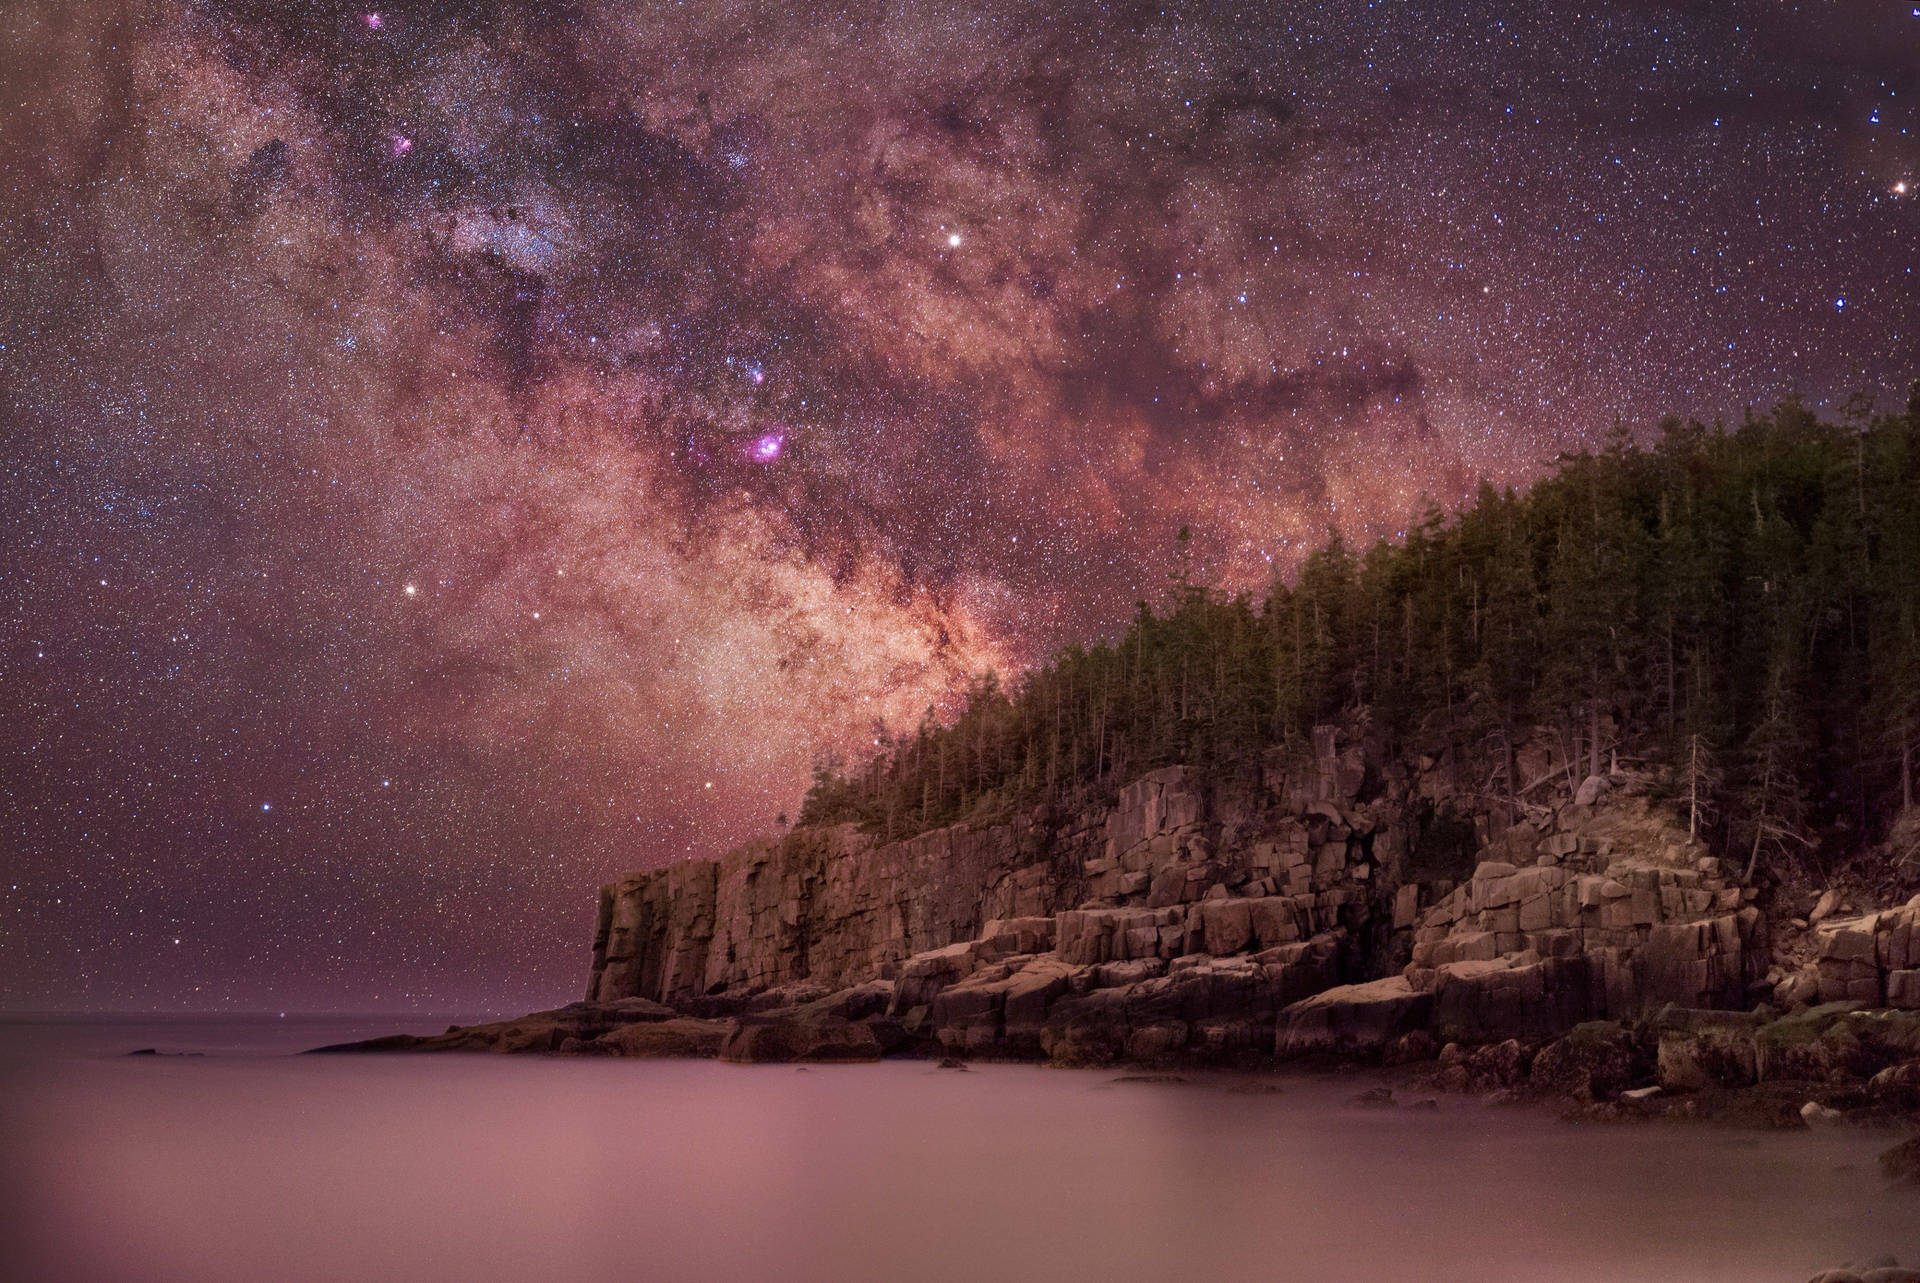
(1741, 606)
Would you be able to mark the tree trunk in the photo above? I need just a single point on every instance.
(1593, 713)
(1906, 772)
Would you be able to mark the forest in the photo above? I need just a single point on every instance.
(1734, 609)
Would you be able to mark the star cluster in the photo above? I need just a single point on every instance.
(459, 452)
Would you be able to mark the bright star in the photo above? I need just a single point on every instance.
(953, 240)
(412, 590)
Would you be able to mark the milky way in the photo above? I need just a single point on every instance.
(459, 452)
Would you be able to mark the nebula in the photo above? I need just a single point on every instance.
(460, 452)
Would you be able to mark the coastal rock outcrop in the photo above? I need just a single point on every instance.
(1336, 903)
(1313, 909)
(626, 1027)
(1874, 959)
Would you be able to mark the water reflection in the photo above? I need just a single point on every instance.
(265, 1167)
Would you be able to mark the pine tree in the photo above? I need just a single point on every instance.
(1740, 606)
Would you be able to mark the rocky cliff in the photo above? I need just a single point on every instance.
(1338, 902)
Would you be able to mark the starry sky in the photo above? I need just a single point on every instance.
(458, 452)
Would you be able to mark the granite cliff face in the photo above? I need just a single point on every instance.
(1337, 903)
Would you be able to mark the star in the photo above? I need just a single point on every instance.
(449, 300)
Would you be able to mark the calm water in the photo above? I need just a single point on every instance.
(251, 1164)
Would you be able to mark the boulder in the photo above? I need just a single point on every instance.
(1836, 1042)
(1799, 989)
(1897, 1086)
(657, 1039)
(1815, 1114)
(1708, 1056)
(1902, 1162)
(1594, 1062)
(1497, 1065)
(798, 1036)
(1353, 1019)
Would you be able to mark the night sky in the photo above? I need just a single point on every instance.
(458, 453)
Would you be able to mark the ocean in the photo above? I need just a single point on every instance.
(245, 1161)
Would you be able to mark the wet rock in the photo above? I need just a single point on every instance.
(1593, 1062)
(1901, 1163)
(655, 1040)
(1353, 1019)
(563, 1030)
(1897, 1086)
(798, 1036)
(1410, 1048)
(1836, 1042)
(1709, 1049)
(1498, 1065)
(1215, 1010)
(1155, 1042)
(1509, 998)
(1815, 1114)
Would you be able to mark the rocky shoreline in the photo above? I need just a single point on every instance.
(1339, 907)
(1838, 1064)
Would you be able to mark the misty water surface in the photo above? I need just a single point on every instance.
(252, 1164)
